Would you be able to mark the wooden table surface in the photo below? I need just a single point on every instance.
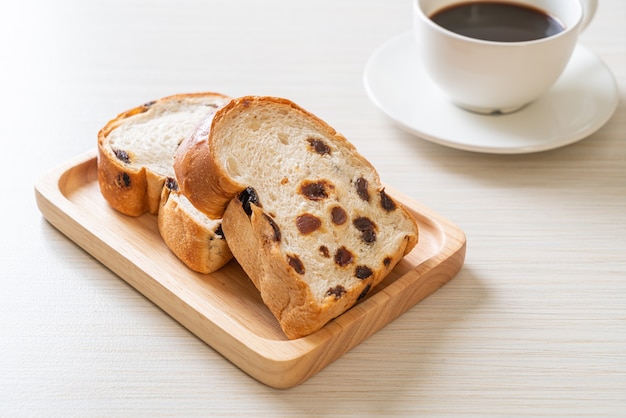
(533, 325)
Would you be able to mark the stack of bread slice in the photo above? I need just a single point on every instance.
(304, 214)
(136, 175)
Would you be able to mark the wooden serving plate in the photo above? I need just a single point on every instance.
(224, 308)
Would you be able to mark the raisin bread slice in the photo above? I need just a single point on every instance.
(304, 214)
(136, 149)
(135, 160)
(197, 240)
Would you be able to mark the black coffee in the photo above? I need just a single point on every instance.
(501, 22)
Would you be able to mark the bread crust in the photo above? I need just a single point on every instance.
(201, 180)
(194, 241)
(130, 189)
(207, 186)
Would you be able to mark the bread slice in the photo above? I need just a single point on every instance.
(136, 149)
(195, 239)
(304, 214)
(135, 161)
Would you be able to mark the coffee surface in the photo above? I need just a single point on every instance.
(495, 21)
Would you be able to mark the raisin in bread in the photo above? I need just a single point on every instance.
(136, 149)
(135, 157)
(304, 214)
(194, 238)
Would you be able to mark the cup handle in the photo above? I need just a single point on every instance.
(589, 10)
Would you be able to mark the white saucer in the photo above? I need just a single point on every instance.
(580, 102)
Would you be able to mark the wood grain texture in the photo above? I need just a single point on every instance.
(224, 308)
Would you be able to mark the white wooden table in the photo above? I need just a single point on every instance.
(534, 324)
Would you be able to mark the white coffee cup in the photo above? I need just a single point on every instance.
(497, 76)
